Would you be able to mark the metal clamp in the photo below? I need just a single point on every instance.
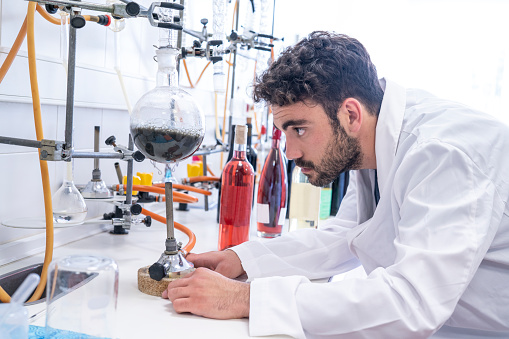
(51, 150)
(153, 18)
(119, 10)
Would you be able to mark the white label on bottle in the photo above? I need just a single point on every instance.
(282, 216)
(262, 214)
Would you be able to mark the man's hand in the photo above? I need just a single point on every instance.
(209, 294)
(226, 262)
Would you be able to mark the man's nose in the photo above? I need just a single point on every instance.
(292, 152)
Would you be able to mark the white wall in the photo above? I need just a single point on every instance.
(456, 49)
(98, 101)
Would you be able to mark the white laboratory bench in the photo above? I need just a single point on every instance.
(141, 315)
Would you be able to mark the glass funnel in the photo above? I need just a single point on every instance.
(166, 124)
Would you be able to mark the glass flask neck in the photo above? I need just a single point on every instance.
(68, 178)
(167, 79)
(167, 74)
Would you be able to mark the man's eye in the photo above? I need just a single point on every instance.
(300, 131)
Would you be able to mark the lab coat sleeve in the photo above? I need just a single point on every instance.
(443, 207)
(308, 252)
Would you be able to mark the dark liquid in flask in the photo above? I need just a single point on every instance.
(166, 145)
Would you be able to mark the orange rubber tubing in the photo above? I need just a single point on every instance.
(14, 50)
(192, 238)
(177, 196)
(187, 73)
(46, 16)
(203, 71)
(198, 179)
(210, 171)
(187, 188)
(19, 40)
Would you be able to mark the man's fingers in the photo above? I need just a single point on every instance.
(178, 283)
(184, 305)
(192, 257)
(199, 260)
(174, 293)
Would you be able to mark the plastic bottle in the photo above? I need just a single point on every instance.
(272, 188)
(13, 315)
(236, 195)
(304, 202)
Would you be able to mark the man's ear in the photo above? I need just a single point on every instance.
(350, 115)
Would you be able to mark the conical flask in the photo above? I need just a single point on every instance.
(68, 204)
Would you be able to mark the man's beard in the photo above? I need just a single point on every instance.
(343, 153)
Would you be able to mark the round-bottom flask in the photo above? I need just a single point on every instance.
(166, 124)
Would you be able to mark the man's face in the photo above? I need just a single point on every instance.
(321, 150)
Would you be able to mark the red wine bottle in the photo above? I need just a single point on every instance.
(272, 187)
(236, 195)
(251, 153)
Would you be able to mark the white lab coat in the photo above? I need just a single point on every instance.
(435, 250)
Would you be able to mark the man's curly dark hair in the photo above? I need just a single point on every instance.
(325, 68)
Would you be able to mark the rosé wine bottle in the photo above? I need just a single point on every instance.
(236, 195)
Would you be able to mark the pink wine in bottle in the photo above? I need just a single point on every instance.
(236, 195)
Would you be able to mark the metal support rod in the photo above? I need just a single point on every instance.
(129, 181)
(78, 3)
(20, 142)
(179, 37)
(119, 173)
(230, 119)
(168, 194)
(204, 161)
(209, 151)
(96, 145)
(235, 52)
(69, 105)
(98, 155)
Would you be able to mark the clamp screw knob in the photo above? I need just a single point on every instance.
(111, 141)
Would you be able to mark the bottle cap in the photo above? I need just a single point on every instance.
(276, 134)
(240, 134)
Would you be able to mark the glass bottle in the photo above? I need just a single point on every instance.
(68, 204)
(231, 147)
(304, 202)
(236, 195)
(325, 201)
(272, 188)
(251, 153)
(339, 188)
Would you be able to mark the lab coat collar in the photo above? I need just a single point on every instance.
(388, 128)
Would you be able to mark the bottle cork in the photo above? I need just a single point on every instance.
(240, 134)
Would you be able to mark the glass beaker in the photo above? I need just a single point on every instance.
(81, 297)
